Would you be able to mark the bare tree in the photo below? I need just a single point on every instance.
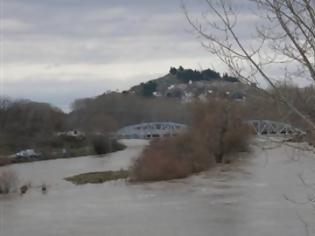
(283, 41)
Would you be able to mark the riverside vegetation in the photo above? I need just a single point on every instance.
(217, 133)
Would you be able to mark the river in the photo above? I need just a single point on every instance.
(266, 193)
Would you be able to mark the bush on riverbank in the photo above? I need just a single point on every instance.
(171, 158)
(8, 181)
(220, 123)
(4, 161)
(216, 135)
(69, 148)
(311, 139)
(104, 144)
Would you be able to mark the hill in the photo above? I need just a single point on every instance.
(188, 84)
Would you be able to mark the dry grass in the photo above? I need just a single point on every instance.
(98, 177)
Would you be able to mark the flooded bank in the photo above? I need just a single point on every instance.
(261, 195)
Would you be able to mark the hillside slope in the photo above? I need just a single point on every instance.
(188, 84)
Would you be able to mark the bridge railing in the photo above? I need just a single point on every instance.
(268, 127)
(151, 130)
(168, 129)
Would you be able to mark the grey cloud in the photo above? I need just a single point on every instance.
(61, 92)
(70, 31)
(101, 41)
(89, 32)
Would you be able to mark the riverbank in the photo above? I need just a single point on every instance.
(63, 154)
(105, 176)
(54, 171)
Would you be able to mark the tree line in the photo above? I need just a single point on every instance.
(26, 124)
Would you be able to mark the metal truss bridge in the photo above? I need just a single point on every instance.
(274, 128)
(152, 130)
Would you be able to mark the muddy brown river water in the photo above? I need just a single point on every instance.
(268, 193)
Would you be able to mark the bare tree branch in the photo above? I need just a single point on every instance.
(290, 37)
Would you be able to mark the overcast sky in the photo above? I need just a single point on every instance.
(59, 50)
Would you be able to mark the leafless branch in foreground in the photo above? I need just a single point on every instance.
(285, 40)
